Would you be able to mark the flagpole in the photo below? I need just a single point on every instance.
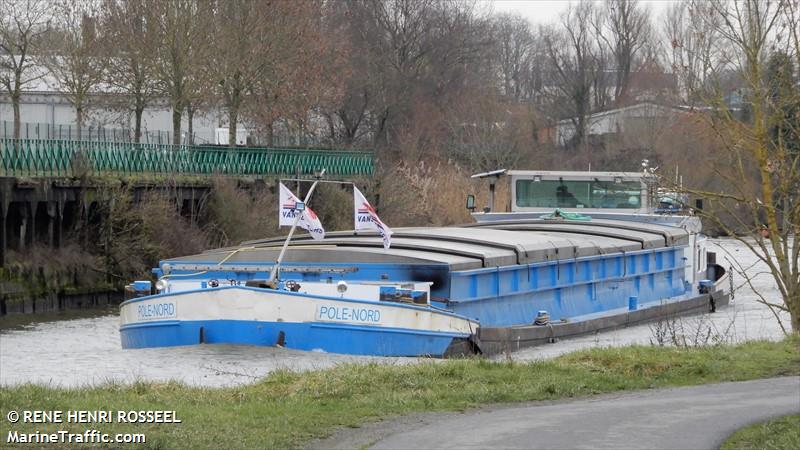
(273, 275)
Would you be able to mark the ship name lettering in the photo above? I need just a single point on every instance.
(348, 314)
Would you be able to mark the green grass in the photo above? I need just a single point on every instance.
(288, 409)
(777, 434)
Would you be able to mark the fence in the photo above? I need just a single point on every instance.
(282, 137)
(33, 130)
(53, 158)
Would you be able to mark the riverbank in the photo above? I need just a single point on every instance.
(288, 409)
(13, 322)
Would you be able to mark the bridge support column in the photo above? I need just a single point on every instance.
(30, 232)
(3, 231)
(52, 226)
(59, 232)
(83, 210)
(193, 208)
(23, 225)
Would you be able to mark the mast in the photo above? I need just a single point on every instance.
(273, 275)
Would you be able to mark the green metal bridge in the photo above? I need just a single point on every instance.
(53, 158)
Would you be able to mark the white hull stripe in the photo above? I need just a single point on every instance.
(244, 304)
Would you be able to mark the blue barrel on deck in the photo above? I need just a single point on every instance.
(137, 289)
(633, 303)
(706, 286)
(142, 286)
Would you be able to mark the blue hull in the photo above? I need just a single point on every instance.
(332, 338)
(509, 296)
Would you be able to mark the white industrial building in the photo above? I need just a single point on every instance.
(46, 113)
(619, 120)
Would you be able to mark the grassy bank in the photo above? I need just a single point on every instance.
(778, 434)
(287, 409)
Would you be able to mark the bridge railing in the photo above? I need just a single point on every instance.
(28, 157)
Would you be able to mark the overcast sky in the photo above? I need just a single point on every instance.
(542, 11)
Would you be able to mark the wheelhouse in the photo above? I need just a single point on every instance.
(543, 191)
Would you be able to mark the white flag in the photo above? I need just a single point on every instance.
(288, 210)
(367, 219)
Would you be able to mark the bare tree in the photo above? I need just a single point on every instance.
(760, 190)
(22, 25)
(199, 93)
(694, 53)
(573, 59)
(421, 60)
(75, 58)
(791, 26)
(295, 77)
(514, 41)
(628, 29)
(398, 38)
(131, 73)
(239, 57)
(279, 45)
(604, 74)
(348, 118)
(180, 29)
(403, 42)
(491, 133)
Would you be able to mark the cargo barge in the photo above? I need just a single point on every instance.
(555, 266)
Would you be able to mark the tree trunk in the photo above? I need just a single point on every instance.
(79, 119)
(350, 127)
(580, 127)
(381, 130)
(233, 116)
(270, 134)
(235, 100)
(176, 125)
(190, 120)
(17, 120)
(794, 312)
(331, 128)
(137, 126)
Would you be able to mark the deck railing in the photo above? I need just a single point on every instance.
(47, 158)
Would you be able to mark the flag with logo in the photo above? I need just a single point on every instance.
(367, 219)
(288, 211)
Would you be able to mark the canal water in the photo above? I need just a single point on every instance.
(86, 351)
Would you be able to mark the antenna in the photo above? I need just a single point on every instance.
(493, 176)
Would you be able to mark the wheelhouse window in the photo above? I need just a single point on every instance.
(579, 194)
